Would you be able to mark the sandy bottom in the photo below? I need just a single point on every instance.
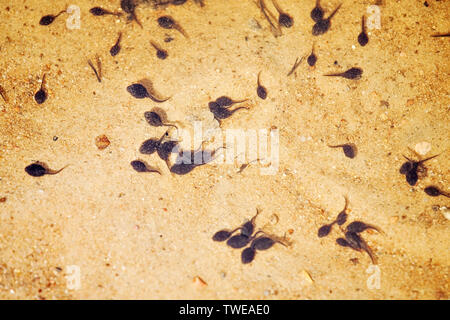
(98, 229)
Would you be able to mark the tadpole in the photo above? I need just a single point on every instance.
(261, 90)
(238, 241)
(340, 220)
(222, 113)
(160, 53)
(167, 22)
(150, 146)
(352, 73)
(248, 255)
(48, 19)
(359, 226)
(323, 25)
(41, 95)
(342, 242)
(284, 19)
(265, 242)
(98, 11)
(138, 91)
(325, 230)
(317, 12)
(141, 166)
(225, 101)
(115, 49)
(357, 243)
(363, 39)
(276, 30)
(223, 235)
(342, 216)
(38, 169)
(312, 58)
(295, 66)
(98, 70)
(433, 191)
(165, 149)
(349, 149)
(248, 227)
(155, 120)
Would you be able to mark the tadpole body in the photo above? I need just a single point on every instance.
(41, 95)
(160, 53)
(248, 255)
(238, 241)
(99, 11)
(115, 49)
(363, 38)
(324, 230)
(261, 91)
(317, 13)
(312, 58)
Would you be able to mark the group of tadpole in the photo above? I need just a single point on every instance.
(352, 238)
(259, 241)
(412, 168)
(129, 7)
(165, 146)
(220, 108)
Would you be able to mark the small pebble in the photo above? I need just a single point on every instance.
(102, 142)
(422, 148)
(199, 281)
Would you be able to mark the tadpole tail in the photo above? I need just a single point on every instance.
(334, 12)
(234, 110)
(60, 13)
(366, 248)
(277, 6)
(336, 146)
(334, 75)
(181, 30)
(440, 35)
(422, 161)
(49, 171)
(158, 100)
